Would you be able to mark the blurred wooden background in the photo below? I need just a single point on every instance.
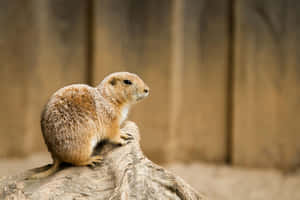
(224, 74)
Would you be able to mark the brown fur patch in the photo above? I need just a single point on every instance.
(79, 101)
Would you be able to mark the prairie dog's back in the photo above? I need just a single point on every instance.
(70, 118)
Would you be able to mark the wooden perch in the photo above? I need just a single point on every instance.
(124, 174)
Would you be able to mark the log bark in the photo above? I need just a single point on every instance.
(125, 173)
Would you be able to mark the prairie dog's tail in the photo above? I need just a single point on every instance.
(46, 172)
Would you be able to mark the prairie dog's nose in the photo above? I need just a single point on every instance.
(146, 90)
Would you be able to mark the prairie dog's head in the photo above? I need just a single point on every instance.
(123, 88)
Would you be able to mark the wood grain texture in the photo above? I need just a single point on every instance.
(42, 49)
(125, 173)
(134, 36)
(266, 99)
(17, 31)
(200, 126)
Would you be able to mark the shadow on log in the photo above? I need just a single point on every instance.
(125, 174)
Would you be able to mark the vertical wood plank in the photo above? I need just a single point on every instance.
(266, 100)
(16, 54)
(177, 59)
(134, 36)
(201, 124)
(42, 49)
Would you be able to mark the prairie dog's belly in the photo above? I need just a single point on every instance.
(70, 123)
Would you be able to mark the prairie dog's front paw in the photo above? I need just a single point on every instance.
(126, 136)
(121, 140)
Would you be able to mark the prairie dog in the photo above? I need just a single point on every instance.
(78, 116)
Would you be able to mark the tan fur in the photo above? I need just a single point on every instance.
(78, 116)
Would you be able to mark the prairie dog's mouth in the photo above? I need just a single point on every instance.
(140, 97)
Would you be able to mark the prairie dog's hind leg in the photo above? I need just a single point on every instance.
(48, 171)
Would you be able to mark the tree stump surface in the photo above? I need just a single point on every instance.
(125, 173)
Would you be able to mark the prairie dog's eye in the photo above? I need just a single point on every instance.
(128, 82)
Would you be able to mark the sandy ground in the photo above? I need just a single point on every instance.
(216, 182)
(228, 183)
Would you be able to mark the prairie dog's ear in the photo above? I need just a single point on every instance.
(113, 81)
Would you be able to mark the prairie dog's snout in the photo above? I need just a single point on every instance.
(146, 91)
(142, 92)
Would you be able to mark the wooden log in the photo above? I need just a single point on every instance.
(124, 174)
(266, 86)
